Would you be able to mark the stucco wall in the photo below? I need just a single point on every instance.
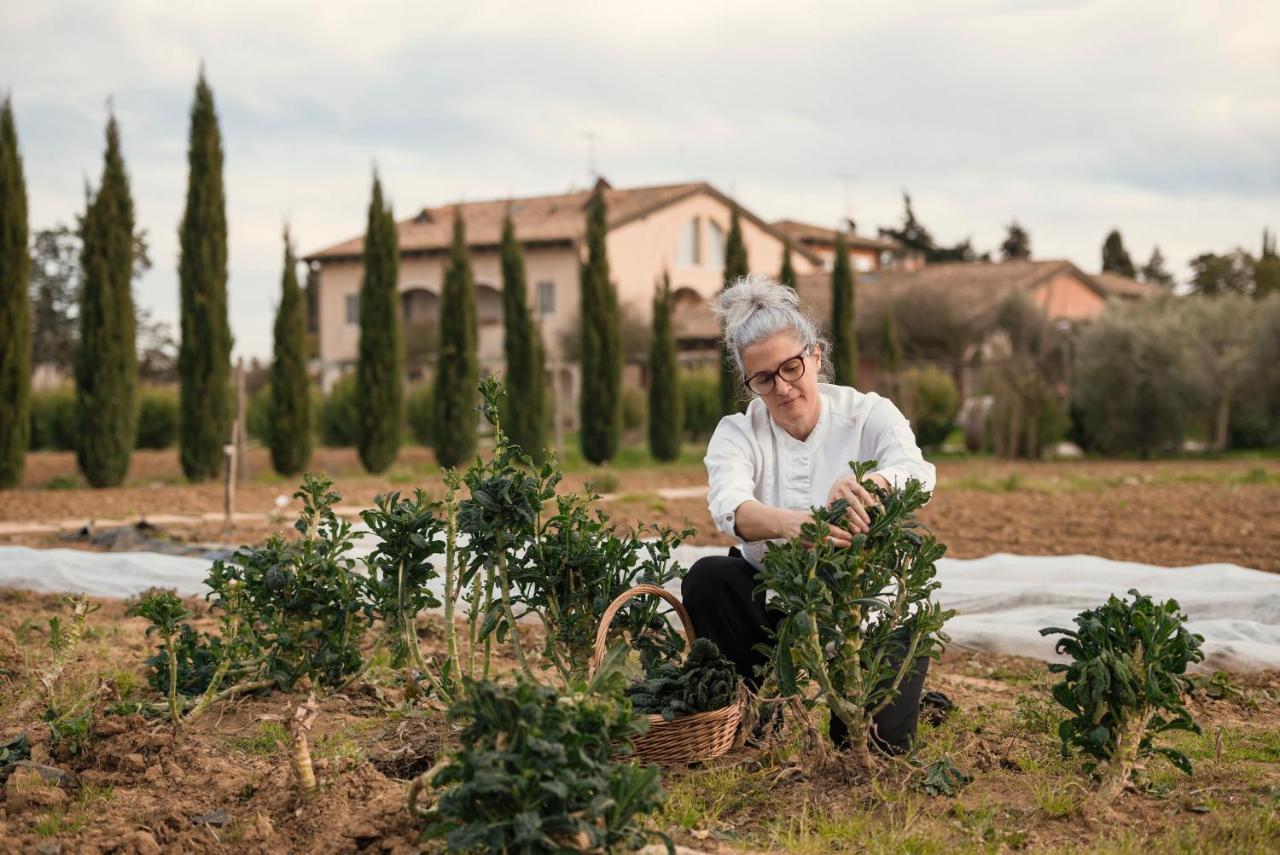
(1066, 297)
(339, 341)
(640, 250)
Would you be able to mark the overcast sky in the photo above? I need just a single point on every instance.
(1162, 119)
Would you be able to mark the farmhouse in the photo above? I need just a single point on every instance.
(866, 254)
(679, 228)
(959, 300)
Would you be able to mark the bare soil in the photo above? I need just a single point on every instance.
(223, 782)
(1170, 513)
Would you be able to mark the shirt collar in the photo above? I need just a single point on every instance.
(815, 435)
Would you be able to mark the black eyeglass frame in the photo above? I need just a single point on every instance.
(772, 376)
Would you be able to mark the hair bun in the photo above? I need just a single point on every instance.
(746, 295)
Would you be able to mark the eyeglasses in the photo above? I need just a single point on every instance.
(762, 382)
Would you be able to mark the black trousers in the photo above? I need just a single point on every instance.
(719, 594)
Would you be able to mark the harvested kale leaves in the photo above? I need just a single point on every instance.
(706, 681)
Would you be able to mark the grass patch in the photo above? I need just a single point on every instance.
(1057, 801)
(57, 822)
(270, 740)
(705, 799)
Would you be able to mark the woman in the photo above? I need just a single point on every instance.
(787, 453)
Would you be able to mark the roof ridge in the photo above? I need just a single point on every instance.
(544, 196)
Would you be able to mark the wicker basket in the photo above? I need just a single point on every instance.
(686, 738)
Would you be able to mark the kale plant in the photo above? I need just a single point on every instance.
(400, 573)
(165, 612)
(856, 618)
(303, 615)
(564, 566)
(1126, 682)
(705, 681)
(536, 771)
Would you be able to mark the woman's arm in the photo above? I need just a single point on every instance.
(893, 446)
(731, 499)
(758, 521)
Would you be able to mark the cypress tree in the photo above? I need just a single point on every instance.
(666, 418)
(844, 344)
(290, 408)
(526, 418)
(1115, 258)
(106, 358)
(379, 371)
(787, 275)
(735, 266)
(206, 407)
(601, 404)
(457, 366)
(15, 313)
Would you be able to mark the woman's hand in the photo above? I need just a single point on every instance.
(859, 498)
(757, 521)
(789, 523)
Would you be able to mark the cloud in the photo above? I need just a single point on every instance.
(1073, 117)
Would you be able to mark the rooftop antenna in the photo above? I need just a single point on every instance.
(590, 137)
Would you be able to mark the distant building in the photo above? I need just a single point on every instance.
(866, 254)
(679, 228)
(974, 291)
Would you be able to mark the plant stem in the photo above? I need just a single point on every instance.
(450, 581)
(506, 607)
(472, 617)
(173, 678)
(303, 717)
(488, 604)
(224, 664)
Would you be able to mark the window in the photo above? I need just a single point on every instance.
(715, 243)
(863, 263)
(546, 298)
(689, 243)
(353, 310)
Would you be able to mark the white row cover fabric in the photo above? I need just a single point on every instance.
(1002, 601)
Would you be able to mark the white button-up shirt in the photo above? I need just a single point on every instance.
(751, 457)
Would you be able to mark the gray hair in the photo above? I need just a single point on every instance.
(754, 307)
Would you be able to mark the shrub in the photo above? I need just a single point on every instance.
(1125, 683)
(1134, 380)
(635, 409)
(700, 393)
(339, 423)
(157, 418)
(420, 412)
(849, 612)
(935, 404)
(536, 773)
(53, 419)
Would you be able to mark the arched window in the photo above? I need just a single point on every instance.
(418, 305)
(715, 243)
(689, 243)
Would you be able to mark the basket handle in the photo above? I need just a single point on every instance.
(602, 634)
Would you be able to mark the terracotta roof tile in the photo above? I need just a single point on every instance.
(538, 219)
(798, 232)
(979, 286)
(1117, 285)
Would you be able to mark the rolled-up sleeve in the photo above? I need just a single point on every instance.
(731, 467)
(898, 458)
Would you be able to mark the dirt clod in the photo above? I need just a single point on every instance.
(27, 790)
